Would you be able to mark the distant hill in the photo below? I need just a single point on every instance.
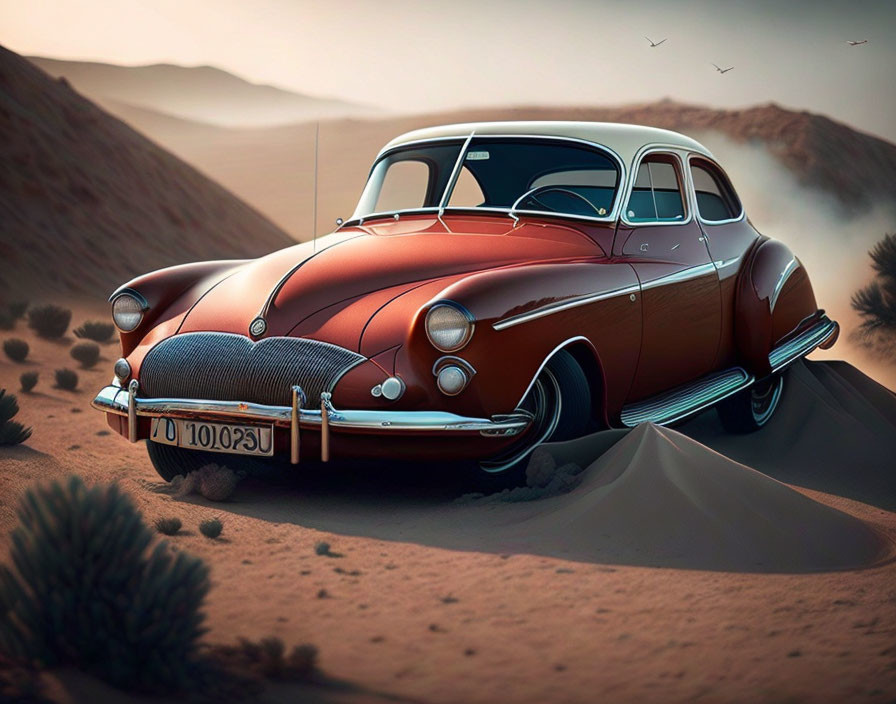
(86, 202)
(272, 167)
(196, 93)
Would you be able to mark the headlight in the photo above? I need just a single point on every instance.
(448, 326)
(127, 312)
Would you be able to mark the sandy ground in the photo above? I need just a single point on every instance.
(443, 601)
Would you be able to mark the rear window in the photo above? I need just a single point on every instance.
(716, 199)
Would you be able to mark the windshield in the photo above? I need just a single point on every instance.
(529, 174)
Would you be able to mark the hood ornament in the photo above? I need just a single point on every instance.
(258, 327)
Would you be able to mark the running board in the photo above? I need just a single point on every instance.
(686, 400)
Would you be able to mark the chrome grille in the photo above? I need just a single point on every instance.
(225, 367)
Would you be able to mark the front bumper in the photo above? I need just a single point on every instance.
(322, 416)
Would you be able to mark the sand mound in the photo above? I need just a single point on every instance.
(658, 497)
(835, 432)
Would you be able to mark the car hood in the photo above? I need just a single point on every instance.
(354, 273)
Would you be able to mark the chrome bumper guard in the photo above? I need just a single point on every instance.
(125, 402)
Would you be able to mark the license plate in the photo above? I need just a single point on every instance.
(215, 437)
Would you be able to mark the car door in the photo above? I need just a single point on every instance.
(680, 300)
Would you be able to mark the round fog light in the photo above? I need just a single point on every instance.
(122, 369)
(452, 380)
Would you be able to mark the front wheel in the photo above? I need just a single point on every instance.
(751, 409)
(560, 403)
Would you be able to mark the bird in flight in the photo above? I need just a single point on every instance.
(852, 42)
(654, 44)
(723, 70)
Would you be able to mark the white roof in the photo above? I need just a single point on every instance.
(625, 140)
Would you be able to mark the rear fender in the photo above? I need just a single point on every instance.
(774, 297)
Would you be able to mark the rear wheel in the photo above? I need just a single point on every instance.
(560, 402)
(750, 409)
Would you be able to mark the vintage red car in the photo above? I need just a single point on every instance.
(499, 285)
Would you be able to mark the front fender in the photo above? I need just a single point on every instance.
(774, 297)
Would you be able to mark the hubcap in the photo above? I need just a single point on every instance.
(764, 399)
(544, 403)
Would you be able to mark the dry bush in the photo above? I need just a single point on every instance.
(87, 353)
(28, 380)
(17, 309)
(7, 321)
(16, 349)
(49, 320)
(95, 330)
(66, 379)
(211, 528)
(322, 548)
(168, 526)
(11, 432)
(212, 481)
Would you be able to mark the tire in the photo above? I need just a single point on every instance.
(561, 401)
(169, 461)
(749, 410)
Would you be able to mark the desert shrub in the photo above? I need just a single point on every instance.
(876, 302)
(11, 432)
(86, 588)
(66, 379)
(16, 349)
(168, 526)
(87, 353)
(323, 548)
(49, 320)
(17, 309)
(7, 320)
(212, 481)
(95, 330)
(211, 528)
(28, 380)
(267, 658)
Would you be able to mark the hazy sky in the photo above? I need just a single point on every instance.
(412, 55)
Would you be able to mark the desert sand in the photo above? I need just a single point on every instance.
(667, 572)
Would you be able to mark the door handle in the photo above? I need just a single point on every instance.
(644, 247)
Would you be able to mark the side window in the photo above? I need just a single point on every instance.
(657, 194)
(404, 186)
(716, 199)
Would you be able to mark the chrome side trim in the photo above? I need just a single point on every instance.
(114, 399)
(725, 263)
(802, 344)
(683, 275)
(782, 279)
(559, 306)
(686, 400)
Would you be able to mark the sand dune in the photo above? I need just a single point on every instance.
(196, 93)
(86, 202)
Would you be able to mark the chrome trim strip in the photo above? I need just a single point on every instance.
(132, 409)
(683, 275)
(325, 408)
(559, 306)
(682, 402)
(298, 400)
(725, 263)
(802, 344)
(782, 279)
(108, 400)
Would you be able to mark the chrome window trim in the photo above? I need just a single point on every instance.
(455, 172)
(611, 216)
(683, 173)
(559, 306)
(743, 212)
